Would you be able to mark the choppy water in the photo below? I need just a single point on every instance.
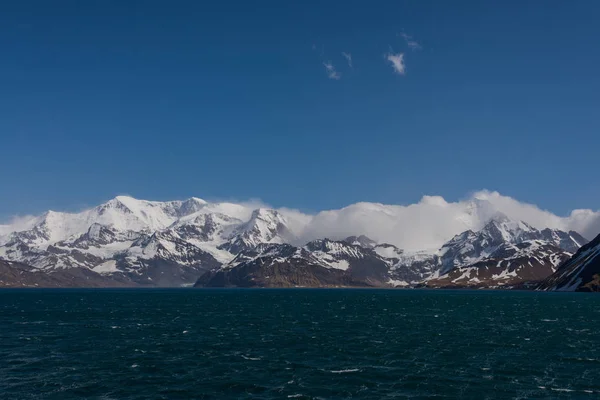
(277, 344)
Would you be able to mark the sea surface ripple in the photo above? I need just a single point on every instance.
(301, 344)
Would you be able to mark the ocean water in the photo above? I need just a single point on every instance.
(302, 344)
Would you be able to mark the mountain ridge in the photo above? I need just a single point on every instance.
(175, 242)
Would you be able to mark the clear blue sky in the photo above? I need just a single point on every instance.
(231, 100)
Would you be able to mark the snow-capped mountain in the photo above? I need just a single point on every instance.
(500, 254)
(320, 263)
(471, 247)
(510, 264)
(264, 226)
(132, 238)
(580, 273)
(170, 243)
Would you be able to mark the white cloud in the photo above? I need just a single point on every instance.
(332, 73)
(17, 223)
(397, 61)
(410, 42)
(432, 221)
(348, 58)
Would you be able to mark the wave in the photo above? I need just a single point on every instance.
(345, 371)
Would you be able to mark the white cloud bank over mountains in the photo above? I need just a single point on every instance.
(425, 225)
(432, 221)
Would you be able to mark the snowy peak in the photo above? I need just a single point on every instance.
(129, 234)
(266, 222)
(123, 213)
(119, 203)
(127, 213)
(470, 247)
(501, 229)
(570, 241)
(186, 232)
(361, 240)
(50, 227)
(36, 236)
(264, 226)
(509, 265)
(191, 206)
(503, 252)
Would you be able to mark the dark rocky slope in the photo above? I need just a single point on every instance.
(510, 265)
(18, 275)
(321, 263)
(581, 273)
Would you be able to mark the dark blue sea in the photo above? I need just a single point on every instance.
(303, 344)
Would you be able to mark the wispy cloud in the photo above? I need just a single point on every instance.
(332, 73)
(397, 61)
(410, 42)
(17, 223)
(348, 58)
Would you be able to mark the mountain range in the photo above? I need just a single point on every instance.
(131, 242)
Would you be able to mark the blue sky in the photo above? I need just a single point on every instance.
(233, 100)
